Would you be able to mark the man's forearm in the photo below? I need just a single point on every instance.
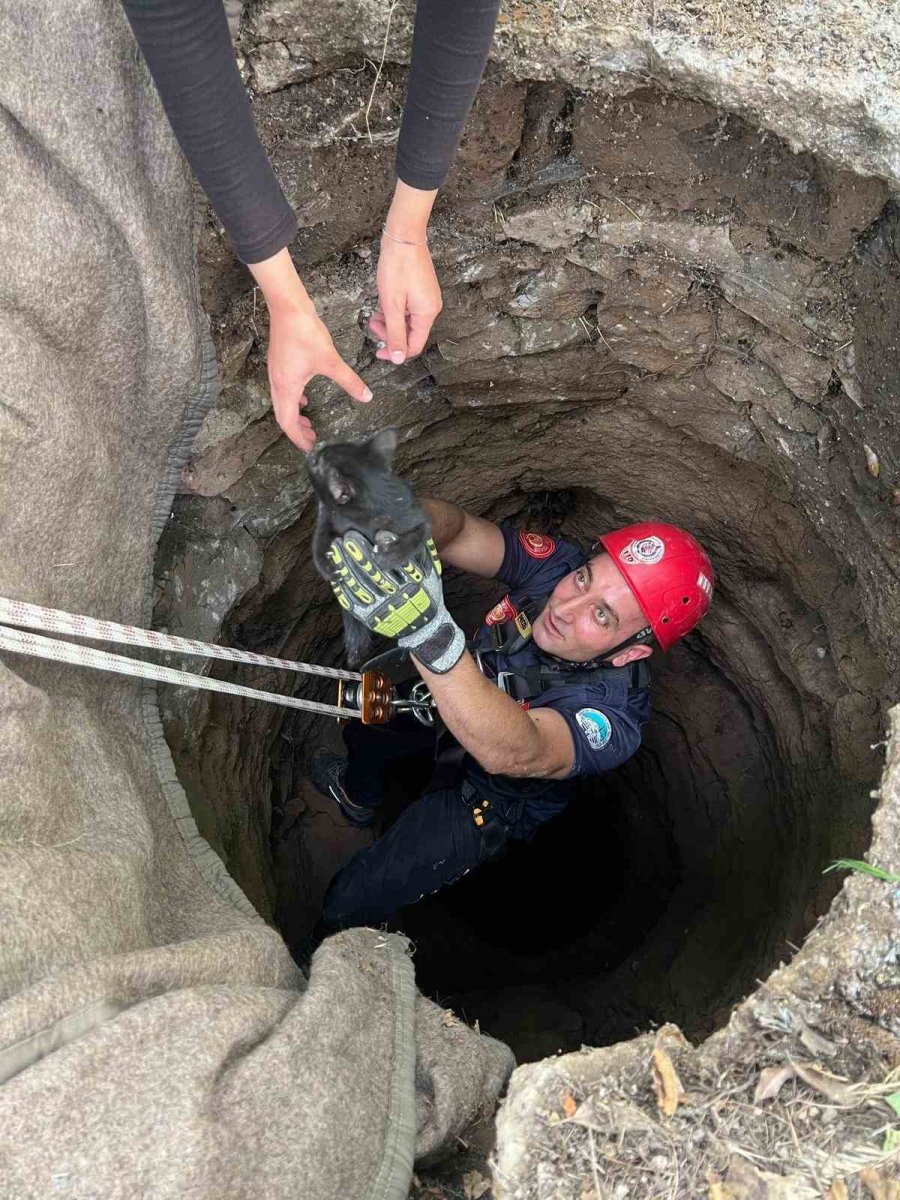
(447, 520)
(484, 720)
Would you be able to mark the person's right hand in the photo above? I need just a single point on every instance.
(300, 347)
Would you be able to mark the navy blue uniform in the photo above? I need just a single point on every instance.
(436, 840)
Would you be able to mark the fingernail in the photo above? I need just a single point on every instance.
(397, 356)
(367, 395)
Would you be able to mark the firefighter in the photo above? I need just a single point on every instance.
(555, 686)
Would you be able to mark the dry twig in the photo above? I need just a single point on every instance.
(387, 34)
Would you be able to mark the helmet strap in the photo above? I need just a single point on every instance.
(637, 639)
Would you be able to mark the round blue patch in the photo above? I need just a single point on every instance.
(595, 727)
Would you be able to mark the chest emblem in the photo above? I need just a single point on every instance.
(504, 611)
(595, 727)
(536, 545)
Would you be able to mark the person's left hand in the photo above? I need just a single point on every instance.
(410, 299)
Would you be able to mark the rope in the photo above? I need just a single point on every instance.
(54, 620)
(19, 641)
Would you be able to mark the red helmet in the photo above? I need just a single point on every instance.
(668, 572)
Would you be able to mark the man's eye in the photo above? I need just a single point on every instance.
(602, 616)
(580, 578)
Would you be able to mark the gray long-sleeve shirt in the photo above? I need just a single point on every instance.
(190, 56)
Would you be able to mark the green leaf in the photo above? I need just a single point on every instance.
(854, 864)
(891, 1141)
(894, 1102)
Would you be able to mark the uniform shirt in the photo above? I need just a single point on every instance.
(604, 720)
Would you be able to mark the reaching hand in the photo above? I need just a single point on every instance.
(406, 603)
(410, 299)
(300, 347)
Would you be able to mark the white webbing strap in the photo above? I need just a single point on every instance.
(33, 616)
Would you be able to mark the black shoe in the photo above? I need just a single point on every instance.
(327, 772)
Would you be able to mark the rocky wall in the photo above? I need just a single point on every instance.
(669, 257)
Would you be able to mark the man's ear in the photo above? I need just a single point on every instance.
(632, 654)
(338, 485)
(383, 444)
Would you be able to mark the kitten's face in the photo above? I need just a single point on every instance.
(341, 472)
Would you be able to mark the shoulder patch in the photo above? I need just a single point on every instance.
(595, 727)
(536, 545)
(504, 611)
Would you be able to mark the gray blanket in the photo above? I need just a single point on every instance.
(156, 1038)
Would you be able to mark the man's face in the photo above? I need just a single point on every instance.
(590, 611)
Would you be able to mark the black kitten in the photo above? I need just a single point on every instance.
(356, 489)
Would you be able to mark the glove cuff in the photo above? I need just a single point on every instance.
(438, 647)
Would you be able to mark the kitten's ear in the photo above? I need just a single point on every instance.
(338, 485)
(383, 444)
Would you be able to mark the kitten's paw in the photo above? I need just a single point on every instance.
(384, 539)
(386, 547)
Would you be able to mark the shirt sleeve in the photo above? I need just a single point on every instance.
(604, 736)
(451, 44)
(536, 561)
(189, 53)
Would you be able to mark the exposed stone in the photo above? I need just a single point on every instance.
(508, 336)
(274, 66)
(208, 564)
(674, 343)
(561, 291)
(550, 227)
(570, 376)
(274, 494)
(346, 28)
(238, 406)
(796, 69)
(751, 383)
(652, 285)
(685, 155)
(463, 259)
(232, 360)
(223, 464)
(807, 375)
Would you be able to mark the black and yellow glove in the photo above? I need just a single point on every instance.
(406, 603)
